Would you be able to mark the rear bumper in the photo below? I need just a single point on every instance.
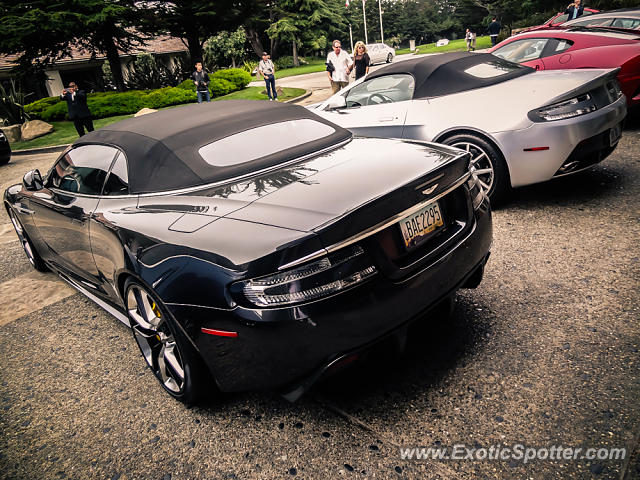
(561, 136)
(281, 348)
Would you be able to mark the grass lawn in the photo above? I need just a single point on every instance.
(64, 132)
(454, 45)
(315, 65)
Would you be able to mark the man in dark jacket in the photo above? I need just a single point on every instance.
(575, 9)
(201, 81)
(494, 30)
(78, 109)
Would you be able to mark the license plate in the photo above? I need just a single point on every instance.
(614, 134)
(417, 226)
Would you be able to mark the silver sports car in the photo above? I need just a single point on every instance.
(521, 126)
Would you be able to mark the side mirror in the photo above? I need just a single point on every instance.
(337, 102)
(32, 180)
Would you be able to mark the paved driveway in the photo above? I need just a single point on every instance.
(544, 353)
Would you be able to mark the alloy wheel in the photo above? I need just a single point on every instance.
(156, 340)
(480, 164)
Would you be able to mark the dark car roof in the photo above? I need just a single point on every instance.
(444, 74)
(162, 148)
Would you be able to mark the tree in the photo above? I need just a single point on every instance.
(42, 32)
(304, 22)
(194, 21)
(225, 46)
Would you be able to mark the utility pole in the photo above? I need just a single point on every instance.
(364, 17)
(381, 31)
(351, 38)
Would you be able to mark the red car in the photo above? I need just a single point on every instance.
(558, 19)
(579, 47)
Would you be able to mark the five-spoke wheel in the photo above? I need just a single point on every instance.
(487, 162)
(162, 344)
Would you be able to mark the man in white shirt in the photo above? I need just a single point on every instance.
(267, 70)
(342, 64)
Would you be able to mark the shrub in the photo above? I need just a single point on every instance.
(287, 62)
(108, 104)
(187, 85)
(237, 76)
(220, 86)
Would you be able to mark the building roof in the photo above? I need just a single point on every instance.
(159, 45)
(163, 149)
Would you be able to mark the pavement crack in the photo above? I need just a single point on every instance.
(440, 468)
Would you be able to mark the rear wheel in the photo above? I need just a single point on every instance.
(488, 164)
(168, 353)
(32, 254)
(389, 58)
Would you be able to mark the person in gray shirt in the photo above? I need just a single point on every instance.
(267, 69)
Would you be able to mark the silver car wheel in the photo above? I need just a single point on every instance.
(480, 163)
(155, 338)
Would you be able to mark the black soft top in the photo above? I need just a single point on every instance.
(162, 147)
(444, 74)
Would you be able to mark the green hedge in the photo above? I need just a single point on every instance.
(108, 104)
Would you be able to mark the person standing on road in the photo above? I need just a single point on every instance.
(338, 67)
(469, 39)
(267, 69)
(494, 30)
(201, 81)
(361, 60)
(78, 109)
(575, 9)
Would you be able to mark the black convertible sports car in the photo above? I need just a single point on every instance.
(252, 243)
(5, 149)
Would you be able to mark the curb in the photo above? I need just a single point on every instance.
(301, 97)
(33, 151)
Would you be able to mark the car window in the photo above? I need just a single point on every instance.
(558, 45)
(626, 23)
(263, 141)
(560, 19)
(82, 169)
(522, 50)
(386, 89)
(596, 22)
(118, 180)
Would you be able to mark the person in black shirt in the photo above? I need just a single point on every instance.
(78, 109)
(361, 60)
(494, 30)
(201, 80)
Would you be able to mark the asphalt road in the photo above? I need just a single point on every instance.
(543, 353)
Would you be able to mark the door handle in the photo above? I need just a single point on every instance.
(387, 119)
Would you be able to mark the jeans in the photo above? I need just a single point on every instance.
(205, 94)
(270, 80)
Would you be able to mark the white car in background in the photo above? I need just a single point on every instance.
(380, 52)
(520, 126)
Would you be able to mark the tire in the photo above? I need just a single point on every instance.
(163, 345)
(390, 58)
(488, 162)
(32, 254)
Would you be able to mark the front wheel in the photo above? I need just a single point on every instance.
(488, 164)
(32, 254)
(168, 353)
(389, 58)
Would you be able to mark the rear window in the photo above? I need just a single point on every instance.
(263, 141)
(491, 69)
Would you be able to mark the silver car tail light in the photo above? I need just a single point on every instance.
(580, 105)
